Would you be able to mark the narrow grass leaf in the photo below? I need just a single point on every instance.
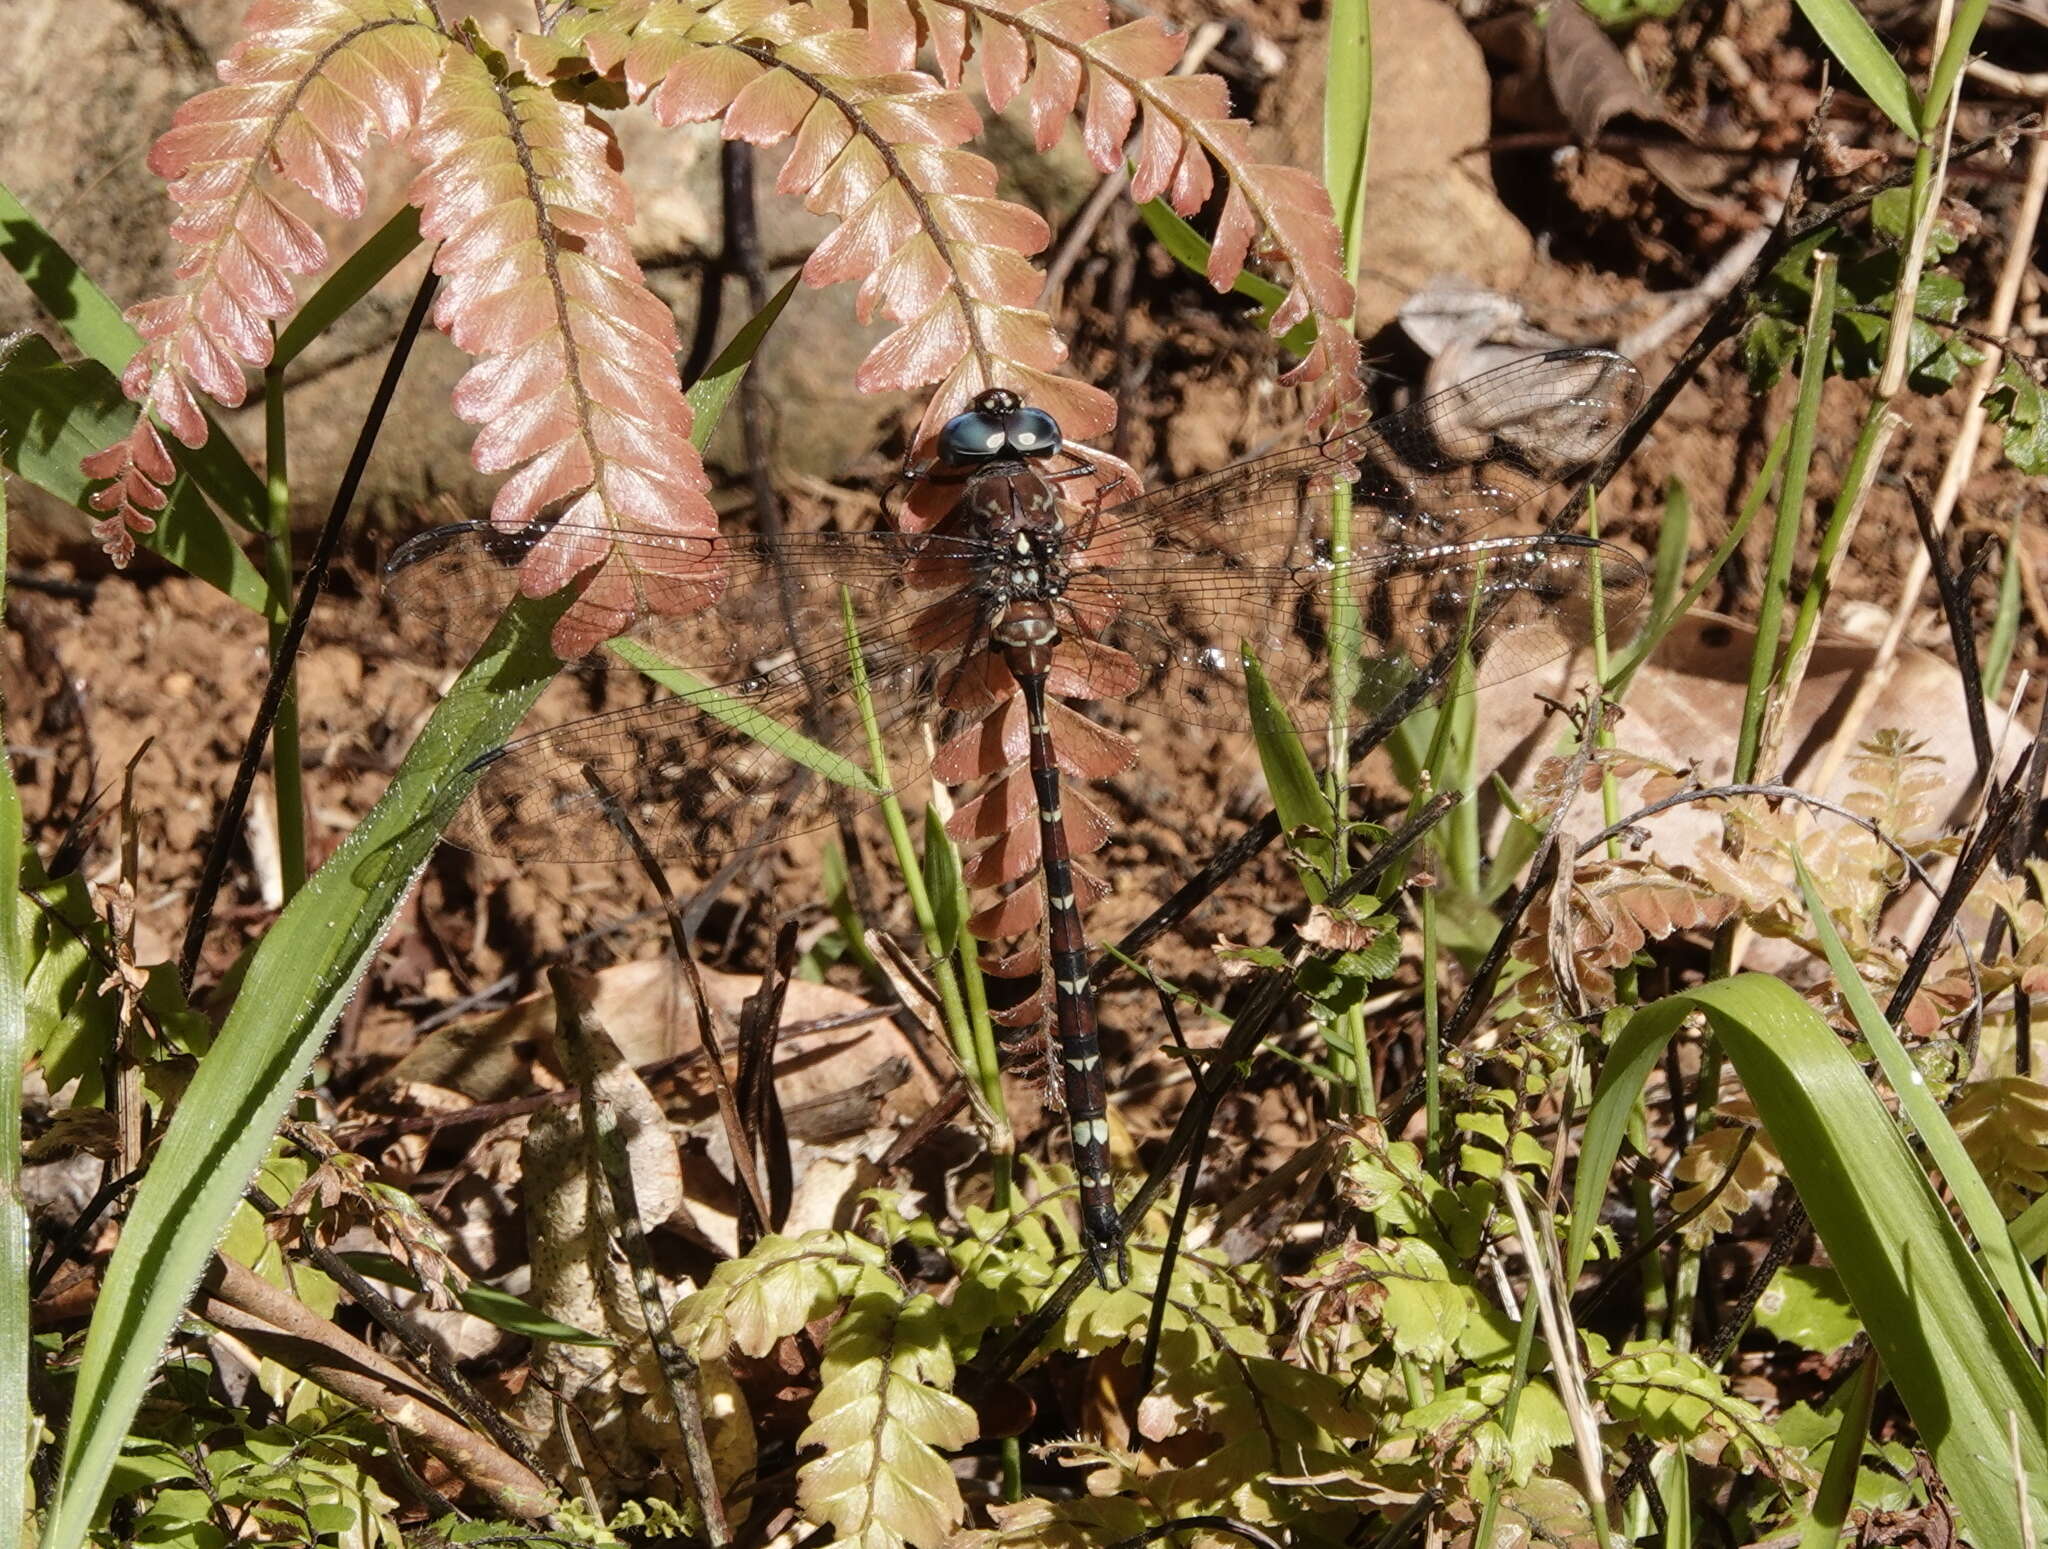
(1980, 1212)
(2005, 619)
(1298, 796)
(1190, 249)
(1933, 1316)
(54, 412)
(352, 280)
(744, 718)
(713, 391)
(1837, 1493)
(91, 321)
(297, 982)
(17, 1427)
(944, 881)
(1955, 53)
(500, 1309)
(1347, 121)
(1871, 65)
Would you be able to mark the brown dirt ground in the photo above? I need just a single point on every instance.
(155, 656)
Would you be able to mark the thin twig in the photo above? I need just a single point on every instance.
(229, 824)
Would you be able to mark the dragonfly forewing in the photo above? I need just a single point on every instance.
(1156, 601)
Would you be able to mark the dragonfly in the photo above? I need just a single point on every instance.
(804, 655)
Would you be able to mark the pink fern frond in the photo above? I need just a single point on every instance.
(1055, 51)
(876, 144)
(302, 94)
(576, 386)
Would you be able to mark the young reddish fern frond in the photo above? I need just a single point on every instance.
(576, 384)
(876, 144)
(1053, 49)
(308, 85)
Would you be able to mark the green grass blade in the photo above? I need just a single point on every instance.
(54, 412)
(1933, 1316)
(2005, 620)
(1837, 1493)
(298, 980)
(1347, 121)
(500, 1309)
(17, 1427)
(64, 290)
(1871, 65)
(710, 393)
(1955, 53)
(745, 719)
(1980, 1212)
(352, 280)
(93, 323)
(944, 882)
(1190, 249)
(1298, 796)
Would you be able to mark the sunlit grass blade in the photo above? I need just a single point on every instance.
(1980, 1212)
(1948, 1346)
(1347, 121)
(295, 985)
(54, 412)
(745, 719)
(1871, 65)
(498, 1308)
(354, 278)
(17, 1433)
(713, 391)
(1190, 249)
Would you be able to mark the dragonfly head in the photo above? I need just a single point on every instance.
(1000, 425)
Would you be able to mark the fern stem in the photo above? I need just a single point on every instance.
(286, 771)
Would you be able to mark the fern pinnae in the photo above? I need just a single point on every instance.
(575, 384)
(1183, 125)
(301, 95)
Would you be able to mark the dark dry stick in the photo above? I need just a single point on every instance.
(230, 821)
(760, 1113)
(1955, 608)
(2007, 802)
(581, 1037)
(728, 1104)
(389, 1317)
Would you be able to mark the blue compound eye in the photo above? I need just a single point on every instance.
(971, 437)
(1032, 432)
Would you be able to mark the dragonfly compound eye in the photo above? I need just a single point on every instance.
(971, 438)
(1032, 432)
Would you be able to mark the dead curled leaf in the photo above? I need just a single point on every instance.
(1337, 933)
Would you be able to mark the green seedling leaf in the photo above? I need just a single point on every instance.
(54, 412)
(2017, 402)
(1805, 1305)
